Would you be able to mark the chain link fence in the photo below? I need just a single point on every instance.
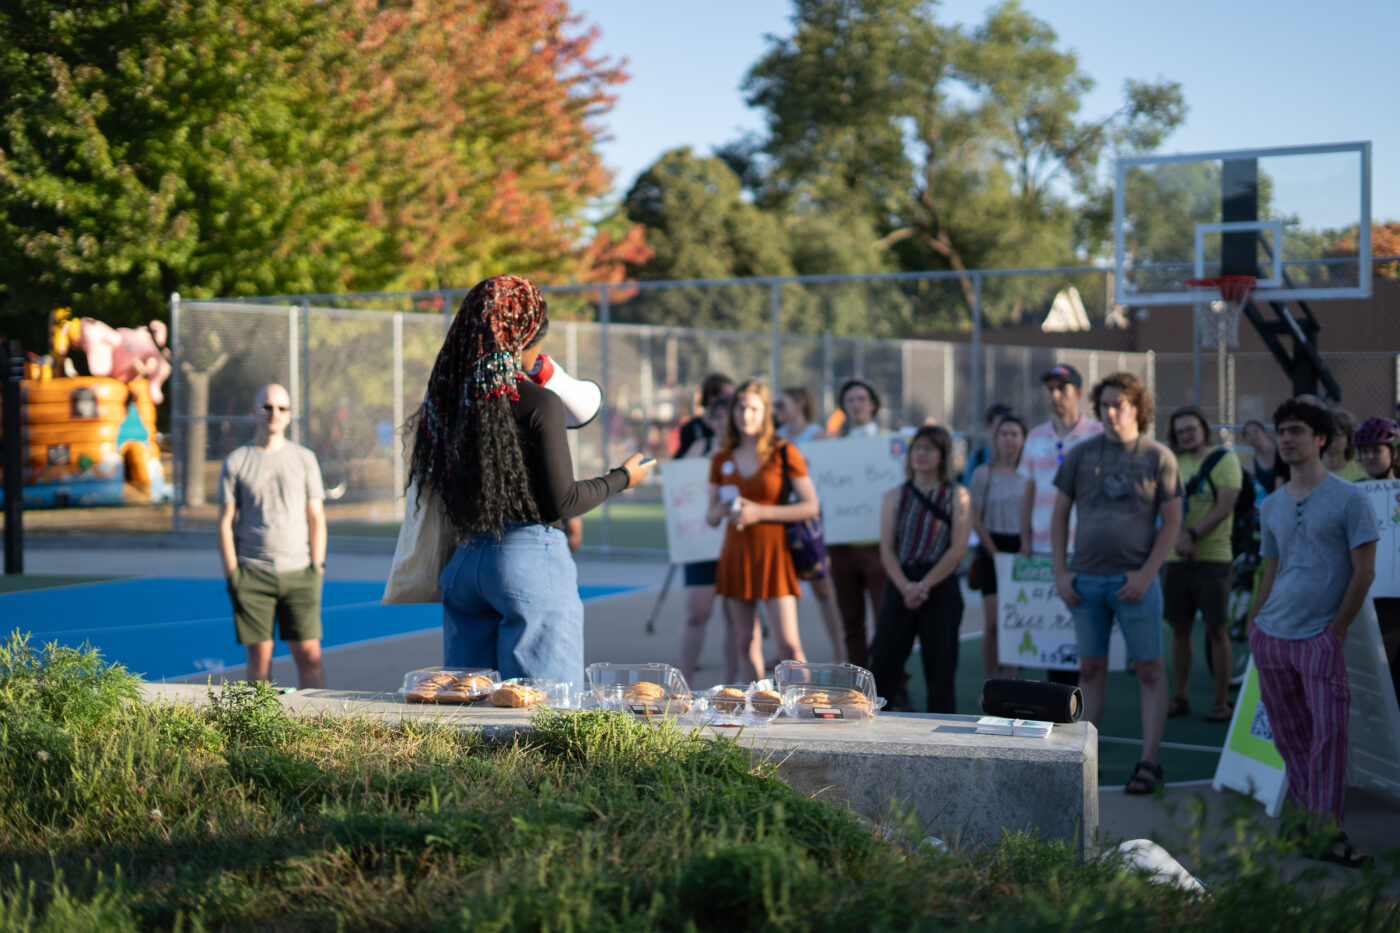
(355, 367)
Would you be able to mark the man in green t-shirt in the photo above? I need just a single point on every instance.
(1199, 568)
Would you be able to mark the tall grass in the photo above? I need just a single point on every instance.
(117, 814)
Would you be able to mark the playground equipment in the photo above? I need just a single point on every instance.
(90, 440)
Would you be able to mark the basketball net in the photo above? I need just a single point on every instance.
(1218, 302)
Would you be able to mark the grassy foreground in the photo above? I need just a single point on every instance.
(121, 815)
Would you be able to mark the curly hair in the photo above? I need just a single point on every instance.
(467, 442)
(1317, 418)
(1137, 394)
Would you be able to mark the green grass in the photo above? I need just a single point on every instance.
(123, 815)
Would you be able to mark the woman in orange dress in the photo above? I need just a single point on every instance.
(746, 480)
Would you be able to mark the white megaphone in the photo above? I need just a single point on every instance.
(583, 398)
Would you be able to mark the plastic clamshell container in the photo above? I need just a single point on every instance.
(827, 692)
(714, 708)
(448, 685)
(569, 695)
(646, 690)
(541, 688)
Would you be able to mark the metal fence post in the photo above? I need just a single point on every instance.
(605, 319)
(294, 365)
(398, 449)
(976, 376)
(179, 471)
(775, 310)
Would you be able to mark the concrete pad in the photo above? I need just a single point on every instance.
(964, 788)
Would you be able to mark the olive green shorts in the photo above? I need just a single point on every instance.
(259, 596)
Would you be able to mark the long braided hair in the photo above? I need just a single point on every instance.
(466, 441)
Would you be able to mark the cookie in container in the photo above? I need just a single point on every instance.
(827, 692)
(518, 692)
(640, 689)
(449, 685)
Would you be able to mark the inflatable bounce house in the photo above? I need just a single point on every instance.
(91, 440)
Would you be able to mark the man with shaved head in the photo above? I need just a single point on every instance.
(272, 539)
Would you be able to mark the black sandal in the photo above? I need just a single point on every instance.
(1341, 852)
(1179, 706)
(1141, 784)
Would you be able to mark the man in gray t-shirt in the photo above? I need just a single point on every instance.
(1319, 548)
(1127, 492)
(272, 540)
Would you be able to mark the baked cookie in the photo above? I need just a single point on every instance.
(515, 695)
(429, 689)
(643, 690)
(728, 699)
(766, 701)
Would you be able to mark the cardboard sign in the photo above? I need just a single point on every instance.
(850, 476)
(1034, 627)
(685, 492)
(1385, 502)
(1249, 763)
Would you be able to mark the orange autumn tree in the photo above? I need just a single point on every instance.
(479, 121)
(1385, 241)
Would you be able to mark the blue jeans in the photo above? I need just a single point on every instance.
(1140, 622)
(512, 604)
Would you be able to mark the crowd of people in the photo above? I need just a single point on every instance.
(1138, 534)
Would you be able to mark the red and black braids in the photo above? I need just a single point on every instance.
(466, 441)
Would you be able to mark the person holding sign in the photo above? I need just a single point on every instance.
(1319, 549)
(1376, 442)
(746, 490)
(491, 443)
(1001, 515)
(1199, 570)
(924, 529)
(700, 575)
(856, 570)
(1128, 494)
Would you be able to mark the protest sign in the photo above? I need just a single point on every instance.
(1034, 627)
(686, 497)
(1385, 502)
(851, 475)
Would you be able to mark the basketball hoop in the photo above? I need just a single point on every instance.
(1219, 299)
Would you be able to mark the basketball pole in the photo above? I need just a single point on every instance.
(14, 460)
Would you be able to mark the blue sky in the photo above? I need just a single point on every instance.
(1254, 73)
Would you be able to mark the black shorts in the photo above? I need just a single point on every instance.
(987, 568)
(700, 573)
(1190, 586)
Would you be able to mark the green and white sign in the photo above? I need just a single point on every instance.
(1249, 763)
(1034, 627)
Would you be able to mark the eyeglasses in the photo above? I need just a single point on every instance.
(271, 408)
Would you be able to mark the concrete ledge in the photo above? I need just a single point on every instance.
(965, 788)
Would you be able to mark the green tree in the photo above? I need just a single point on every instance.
(967, 149)
(700, 227)
(239, 147)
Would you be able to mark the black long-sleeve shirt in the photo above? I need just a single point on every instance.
(540, 415)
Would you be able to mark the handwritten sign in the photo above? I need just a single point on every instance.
(685, 492)
(1385, 503)
(850, 475)
(1034, 627)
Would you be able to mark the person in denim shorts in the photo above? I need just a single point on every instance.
(1127, 492)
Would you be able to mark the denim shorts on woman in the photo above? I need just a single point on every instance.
(1140, 622)
(512, 603)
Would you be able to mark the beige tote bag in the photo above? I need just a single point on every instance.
(425, 545)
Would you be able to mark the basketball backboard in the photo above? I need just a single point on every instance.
(1298, 218)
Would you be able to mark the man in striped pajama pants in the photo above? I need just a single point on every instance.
(1319, 550)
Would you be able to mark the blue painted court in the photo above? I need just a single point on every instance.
(164, 628)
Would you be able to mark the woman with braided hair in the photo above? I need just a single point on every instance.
(492, 443)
